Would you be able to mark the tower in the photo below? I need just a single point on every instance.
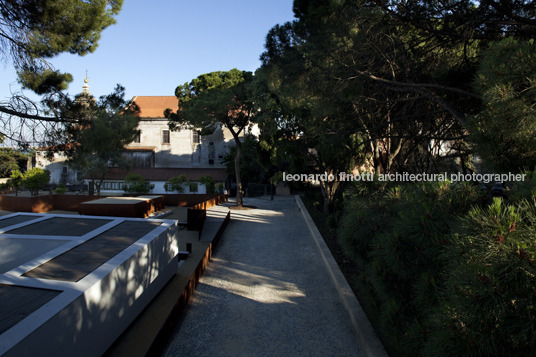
(85, 98)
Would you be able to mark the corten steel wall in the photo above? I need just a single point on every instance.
(210, 201)
(71, 202)
(198, 213)
(42, 204)
(196, 219)
(195, 201)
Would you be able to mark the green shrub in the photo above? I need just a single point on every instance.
(176, 184)
(220, 188)
(209, 183)
(135, 183)
(399, 235)
(194, 187)
(34, 180)
(491, 295)
(61, 189)
(16, 180)
(5, 186)
(445, 272)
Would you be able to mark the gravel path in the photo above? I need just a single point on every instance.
(265, 293)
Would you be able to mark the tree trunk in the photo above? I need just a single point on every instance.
(328, 193)
(239, 201)
(98, 186)
(376, 157)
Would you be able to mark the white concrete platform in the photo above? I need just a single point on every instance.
(70, 285)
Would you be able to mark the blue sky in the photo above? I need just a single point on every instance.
(157, 45)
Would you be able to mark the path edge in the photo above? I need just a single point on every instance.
(363, 330)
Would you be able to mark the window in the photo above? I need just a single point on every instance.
(196, 139)
(108, 185)
(65, 170)
(137, 138)
(211, 153)
(165, 136)
(193, 187)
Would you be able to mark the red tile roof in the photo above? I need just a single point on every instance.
(164, 174)
(154, 106)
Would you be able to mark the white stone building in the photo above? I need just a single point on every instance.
(157, 154)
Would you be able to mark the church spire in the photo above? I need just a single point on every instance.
(85, 87)
(85, 98)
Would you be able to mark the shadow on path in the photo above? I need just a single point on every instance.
(265, 293)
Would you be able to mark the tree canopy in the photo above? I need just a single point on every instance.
(503, 132)
(12, 160)
(392, 83)
(213, 100)
(97, 144)
(32, 32)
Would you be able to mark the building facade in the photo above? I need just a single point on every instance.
(157, 153)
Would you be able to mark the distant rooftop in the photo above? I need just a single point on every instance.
(154, 106)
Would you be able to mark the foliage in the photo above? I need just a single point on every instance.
(213, 100)
(445, 272)
(176, 184)
(250, 167)
(5, 186)
(220, 188)
(361, 88)
(491, 284)
(61, 189)
(36, 30)
(210, 184)
(33, 32)
(135, 183)
(34, 179)
(8, 164)
(109, 125)
(194, 187)
(504, 131)
(16, 180)
(11, 160)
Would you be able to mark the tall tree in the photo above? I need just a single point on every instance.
(97, 144)
(504, 131)
(213, 100)
(250, 167)
(399, 74)
(33, 31)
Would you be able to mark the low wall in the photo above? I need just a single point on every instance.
(71, 202)
(38, 204)
(45, 203)
(42, 204)
(192, 200)
(196, 219)
(210, 202)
